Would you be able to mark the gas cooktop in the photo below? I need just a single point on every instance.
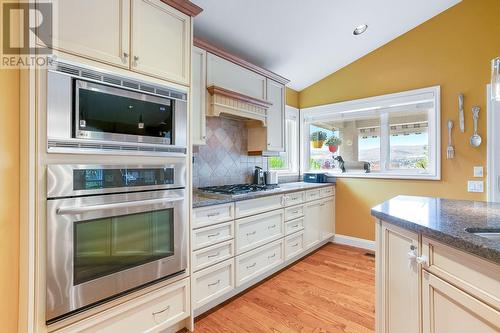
(237, 189)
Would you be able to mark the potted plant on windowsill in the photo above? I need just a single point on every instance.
(333, 143)
(318, 138)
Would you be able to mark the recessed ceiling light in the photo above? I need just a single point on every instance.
(360, 29)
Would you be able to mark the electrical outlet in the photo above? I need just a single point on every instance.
(478, 172)
(476, 186)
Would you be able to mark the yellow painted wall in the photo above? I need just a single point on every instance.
(454, 50)
(9, 199)
(292, 97)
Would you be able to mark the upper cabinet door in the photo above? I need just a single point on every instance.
(161, 41)
(225, 74)
(276, 117)
(198, 96)
(94, 29)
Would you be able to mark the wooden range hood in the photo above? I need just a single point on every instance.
(227, 103)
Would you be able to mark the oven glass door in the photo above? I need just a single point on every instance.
(109, 245)
(105, 112)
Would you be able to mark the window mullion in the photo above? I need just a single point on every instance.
(385, 145)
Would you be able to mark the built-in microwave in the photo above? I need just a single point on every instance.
(89, 109)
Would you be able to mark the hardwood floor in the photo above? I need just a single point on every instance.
(331, 290)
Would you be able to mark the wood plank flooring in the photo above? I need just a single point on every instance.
(331, 290)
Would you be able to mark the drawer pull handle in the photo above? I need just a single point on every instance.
(214, 255)
(295, 245)
(295, 226)
(251, 233)
(213, 214)
(272, 226)
(161, 311)
(213, 235)
(322, 204)
(269, 257)
(295, 212)
(252, 265)
(214, 284)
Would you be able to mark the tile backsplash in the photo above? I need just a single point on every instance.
(224, 160)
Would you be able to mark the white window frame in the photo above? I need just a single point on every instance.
(312, 114)
(293, 166)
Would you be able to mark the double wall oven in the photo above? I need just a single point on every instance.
(111, 229)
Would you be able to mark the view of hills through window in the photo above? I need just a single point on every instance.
(405, 141)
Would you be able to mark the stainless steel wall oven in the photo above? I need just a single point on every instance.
(112, 229)
(90, 109)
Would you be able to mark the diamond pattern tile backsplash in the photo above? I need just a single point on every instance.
(223, 160)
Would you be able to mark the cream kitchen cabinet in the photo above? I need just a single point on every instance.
(228, 75)
(145, 36)
(327, 218)
(425, 286)
(312, 223)
(449, 309)
(398, 280)
(160, 41)
(198, 96)
(105, 37)
(156, 311)
(276, 117)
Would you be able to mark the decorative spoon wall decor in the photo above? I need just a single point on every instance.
(475, 140)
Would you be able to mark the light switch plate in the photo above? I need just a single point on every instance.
(476, 186)
(478, 172)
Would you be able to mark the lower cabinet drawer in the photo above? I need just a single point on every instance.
(212, 235)
(206, 216)
(312, 195)
(254, 231)
(294, 198)
(294, 226)
(294, 212)
(256, 206)
(294, 245)
(212, 282)
(212, 255)
(258, 261)
(476, 276)
(327, 191)
(153, 312)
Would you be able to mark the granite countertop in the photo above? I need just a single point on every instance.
(202, 200)
(445, 221)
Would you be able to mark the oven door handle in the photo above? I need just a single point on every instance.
(128, 204)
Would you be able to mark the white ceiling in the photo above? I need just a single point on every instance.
(306, 41)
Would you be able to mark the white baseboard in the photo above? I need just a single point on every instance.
(353, 241)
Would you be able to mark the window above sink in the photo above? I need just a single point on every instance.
(389, 136)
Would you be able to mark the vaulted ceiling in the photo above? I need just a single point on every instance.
(306, 41)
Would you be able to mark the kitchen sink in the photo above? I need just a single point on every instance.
(493, 234)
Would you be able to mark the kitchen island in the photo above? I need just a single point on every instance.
(437, 265)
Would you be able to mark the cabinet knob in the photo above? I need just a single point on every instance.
(136, 59)
(422, 260)
(125, 57)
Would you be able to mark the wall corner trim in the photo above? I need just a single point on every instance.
(354, 241)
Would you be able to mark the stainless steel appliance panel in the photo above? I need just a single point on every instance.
(60, 178)
(59, 105)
